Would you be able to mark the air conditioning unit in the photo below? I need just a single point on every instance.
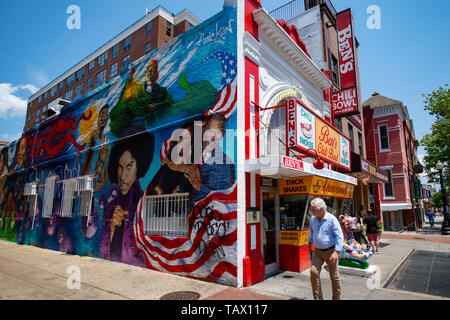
(54, 107)
(30, 189)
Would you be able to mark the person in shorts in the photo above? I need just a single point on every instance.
(372, 230)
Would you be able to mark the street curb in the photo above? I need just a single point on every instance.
(396, 269)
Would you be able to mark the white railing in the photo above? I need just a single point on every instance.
(49, 194)
(84, 187)
(166, 215)
(68, 199)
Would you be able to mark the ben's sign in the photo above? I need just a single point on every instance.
(345, 102)
(346, 49)
(305, 130)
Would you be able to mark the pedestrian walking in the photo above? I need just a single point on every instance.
(430, 216)
(372, 230)
(363, 231)
(326, 235)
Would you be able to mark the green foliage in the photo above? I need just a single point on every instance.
(436, 200)
(437, 143)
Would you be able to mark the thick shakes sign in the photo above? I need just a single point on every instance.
(306, 130)
(345, 102)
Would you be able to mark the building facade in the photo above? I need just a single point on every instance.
(392, 146)
(199, 159)
(152, 31)
(317, 22)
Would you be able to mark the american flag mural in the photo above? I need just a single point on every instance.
(130, 124)
(208, 253)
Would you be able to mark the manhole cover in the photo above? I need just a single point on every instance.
(181, 295)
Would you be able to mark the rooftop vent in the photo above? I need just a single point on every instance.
(375, 94)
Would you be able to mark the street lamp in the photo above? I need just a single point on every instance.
(446, 223)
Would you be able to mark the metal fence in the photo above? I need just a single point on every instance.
(289, 10)
(49, 194)
(296, 7)
(166, 215)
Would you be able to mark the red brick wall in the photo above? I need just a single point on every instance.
(139, 39)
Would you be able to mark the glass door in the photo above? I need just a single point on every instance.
(270, 231)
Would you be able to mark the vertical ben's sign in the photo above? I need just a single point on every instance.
(345, 102)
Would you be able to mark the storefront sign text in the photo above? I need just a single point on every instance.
(306, 131)
(292, 163)
(345, 102)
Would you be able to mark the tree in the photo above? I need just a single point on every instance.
(437, 143)
(436, 200)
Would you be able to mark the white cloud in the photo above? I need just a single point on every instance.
(10, 137)
(11, 104)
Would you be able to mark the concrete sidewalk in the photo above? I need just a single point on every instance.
(291, 285)
(31, 273)
(28, 272)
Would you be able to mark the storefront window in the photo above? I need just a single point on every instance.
(332, 205)
(292, 211)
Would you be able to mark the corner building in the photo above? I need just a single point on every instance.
(120, 174)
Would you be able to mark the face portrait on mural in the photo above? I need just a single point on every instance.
(102, 118)
(21, 152)
(4, 161)
(9, 208)
(151, 72)
(129, 160)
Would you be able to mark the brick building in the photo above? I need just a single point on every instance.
(391, 144)
(150, 32)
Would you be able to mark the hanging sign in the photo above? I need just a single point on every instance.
(305, 130)
(345, 102)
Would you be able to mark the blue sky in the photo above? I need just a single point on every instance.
(408, 56)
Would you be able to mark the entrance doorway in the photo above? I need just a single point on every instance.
(270, 231)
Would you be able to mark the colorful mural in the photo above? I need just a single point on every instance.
(125, 135)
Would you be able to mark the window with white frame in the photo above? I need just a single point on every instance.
(114, 70)
(127, 43)
(388, 187)
(168, 28)
(89, 85)
(69, 95)
(78, 91)
(100, 79)
(383, 137)
(115, 51)
(53, 91)
(70, 80)
(49, 194)
(80, 74)
(102, 59)
(91, 66)
(166, 215)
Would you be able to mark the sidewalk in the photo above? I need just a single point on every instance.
(31, 273)
(426, 233)
(28, 272)
(291, 285)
